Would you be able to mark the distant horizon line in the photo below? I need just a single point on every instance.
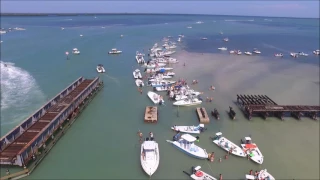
(77, 14)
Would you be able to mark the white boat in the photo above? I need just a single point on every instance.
(252, 150)
(197, 174)
(188, 102)
(149, 156)
(225, 39)
(170, 73)
(233, 52)
(162, 88)
(189, 27)
(204, 38)
(189, 129)
(75, 51)
(295, 55)
(171, 47)
(316, 52)
(247, 53)
(250, 177)
(137, 74)
(162, 83)
(81, 35)
(264, 174)
(302, 54)
(140, 59)
(228, 145)
(187, 95)
(154, 65)
(186, 144)
(256, 51)
(114, 51)
(139, 83)
(223, 48)
(199, 22)
(238, 52)
(155, 98)
(179, 39)
(100, 68)
(278, 55)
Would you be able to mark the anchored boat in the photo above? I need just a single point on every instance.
(137, 74)
(197, 174)
(150, 156)
(227, 145)
(155, 98)
(139, 83)
(252, 150)
(189, 129)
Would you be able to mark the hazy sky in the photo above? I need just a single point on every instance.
(254, 7)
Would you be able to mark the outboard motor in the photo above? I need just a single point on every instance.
(176, 137)
(147, 139)
(193, 170)
(151, 139)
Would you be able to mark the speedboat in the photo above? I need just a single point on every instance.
(204, 38)
(197, 174)
(188, 102)
(238, 52)
(302, 54)
(186, 144)
(295, 55)
(137, 74)
(256, 51)
(162, 88)
(316, 52)
(149, 156)
(223, 48)
(171, 60)
(278, 55)
(75, 51)
(225, 39)
(162, 83)
(228, 145)
(155, 98)
(139, 58)
(100, 68)
(139, 83)
(189, 129)
(247, 53)
(252, 150)
(114, 51)
(170, 73)
(154, 65)
(264, 174)
(168, 52)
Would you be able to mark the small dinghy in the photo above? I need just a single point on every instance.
(264, 174)
(100, 68)
(139, 58)
(252, 150)
(316, 52)
(197, 174)
(215, 113)
(249, 177)
(137, 74)
(155, 98)
(186, 144)
(150, 156)
(204, 38)
(188, 102)
(139, 83)
(228, 145)
(189, 129)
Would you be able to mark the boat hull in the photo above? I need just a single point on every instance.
(202, 155)
(186, 129)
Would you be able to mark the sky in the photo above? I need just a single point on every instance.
(306, 8)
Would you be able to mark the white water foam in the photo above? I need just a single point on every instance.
(20, 93)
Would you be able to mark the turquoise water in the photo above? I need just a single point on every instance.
(103, 142)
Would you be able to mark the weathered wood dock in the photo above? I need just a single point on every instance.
(203, 115)
(151, 114)
(262, 105)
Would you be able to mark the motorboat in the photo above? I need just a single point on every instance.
(238, 52)
(204, 38)
(278, 55)
(189, 27)
(199, 22)
(188, 93)
(162, 83)
(75, 51)
(100, 68)
(139, 58)
(228, 145)
(114, 51)
(137, 74)
(316, 52)
(179, 39)
(163, 69)
(252, 150)
(223, 48)
(181, 35)
(188, 102)
(168, 52)
(171, 47)
(189, 129)
(139, 83)
(162, 88)
(302, 54)
(155, 98)
(264, 174)
(197, 174)
(225, 39)
(256, 51)
(250, 177)
(295, 55)
(149, 156)
(186, 144)
(154, 65)
(247, 53)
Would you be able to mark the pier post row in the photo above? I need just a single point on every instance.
(262, 105)
(23, 142)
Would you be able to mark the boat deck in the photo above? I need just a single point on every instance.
(151, 114)
(23, 141)
(203, 115)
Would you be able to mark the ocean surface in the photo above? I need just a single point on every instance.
(103, 143)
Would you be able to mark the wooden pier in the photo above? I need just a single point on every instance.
(151, 114)
(203, 115)
(262, 105)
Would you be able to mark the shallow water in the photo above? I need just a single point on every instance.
(103, 142)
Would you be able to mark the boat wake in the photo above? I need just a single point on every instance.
(19, 92)
(113, 79)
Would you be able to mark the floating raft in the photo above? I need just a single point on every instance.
(151, 114)
(264, 106)
(203, 115)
